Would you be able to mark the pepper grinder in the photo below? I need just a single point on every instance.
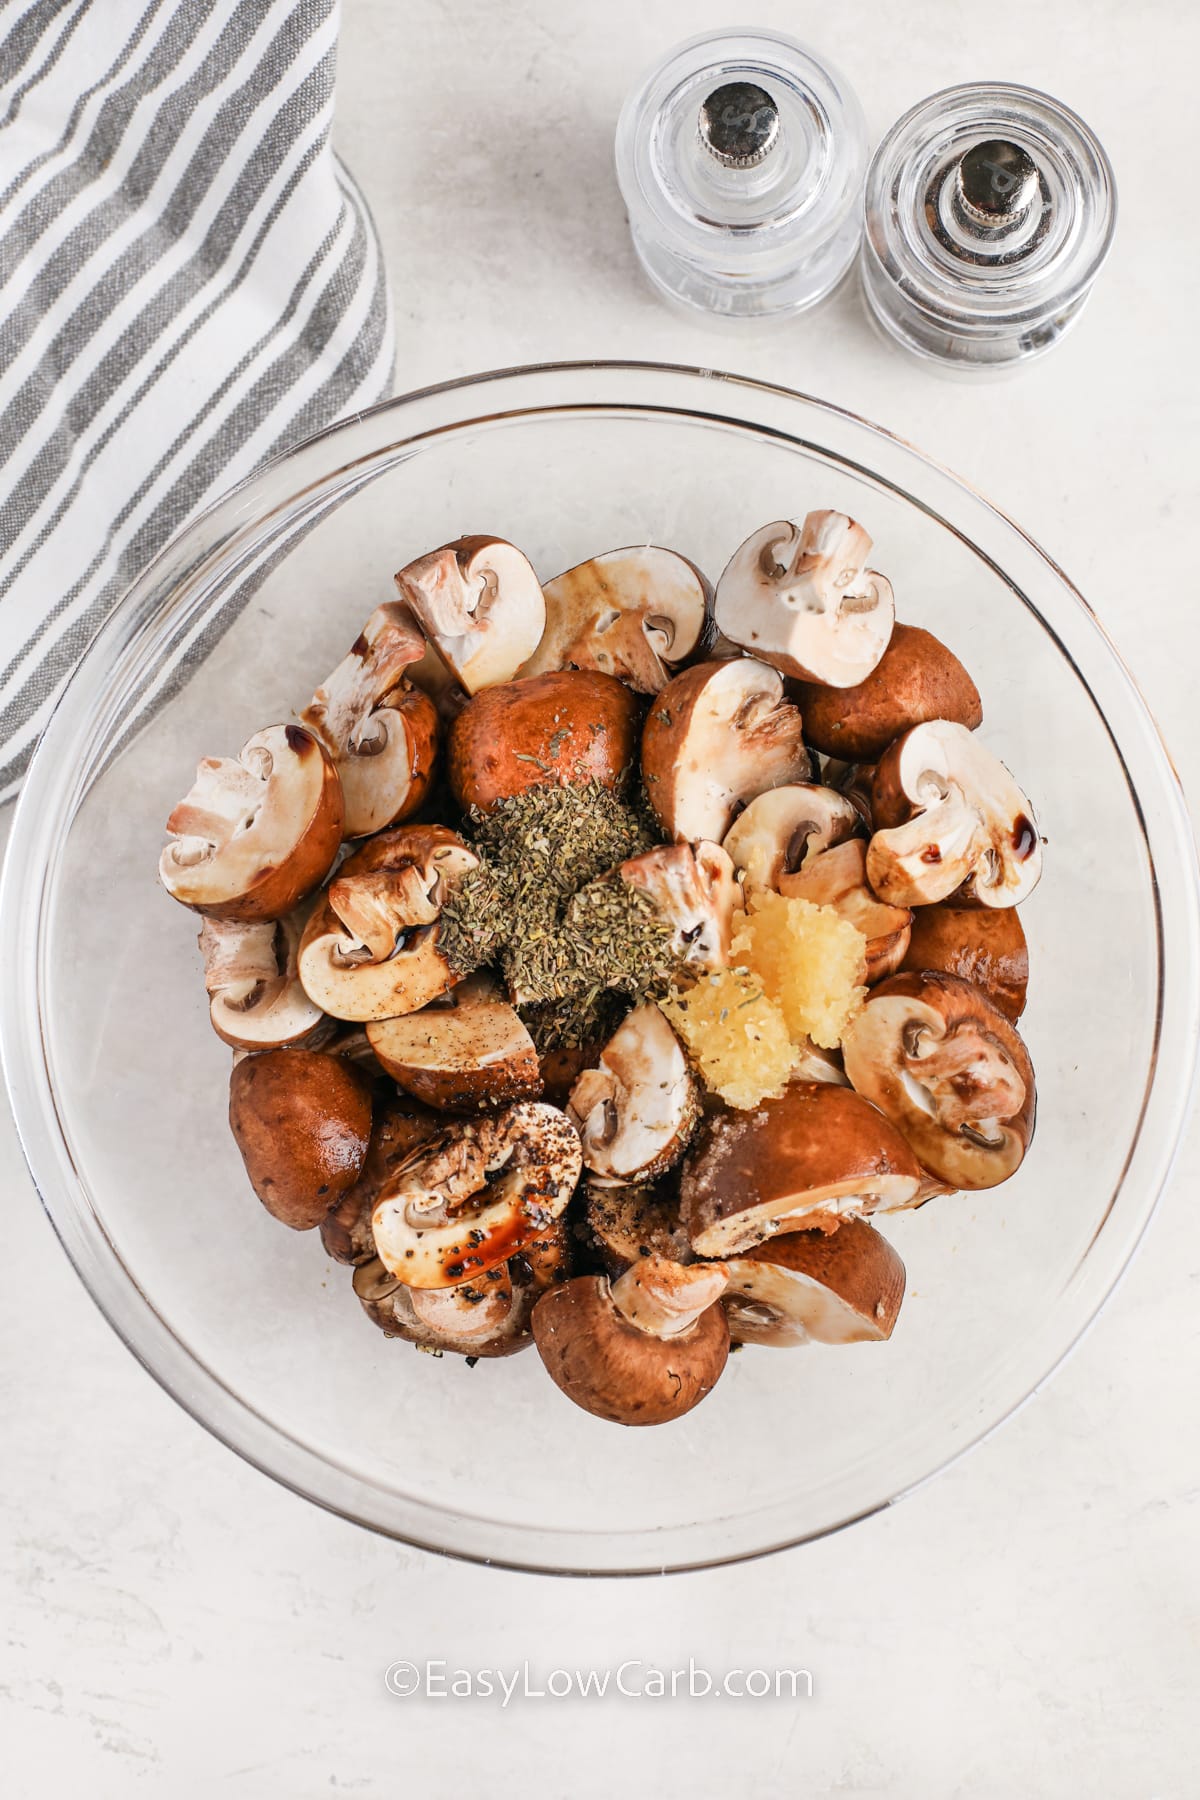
(741, 160)
(989, 212)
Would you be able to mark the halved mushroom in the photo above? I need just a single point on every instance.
(302, 1121)
(815, 1287)
(487, 1317)
(916, 679)
(370, 949)
(693, 888)
(480, 1192)
(947, 809)
(804, 600)
(799, 1161)
(636, 1110)
(783, 830)
(463, 1052)
(628, 613)
(985, 945)
(838, 878)
(480, 604)
(381, 733)
(397, 1127)
(642, 1350)
(256, 1001)
(717, 736)
(623, 1224)
(950, 1071)
(561, 729)
(255, 835)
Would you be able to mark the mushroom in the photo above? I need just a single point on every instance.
(946, 809)
(627, 613)
(565, 728)
(254, 836)
(482, 1190)
(481, 606)
(802, 1160)
(815, 1287)
(465, 1051)
(838, 878)
(949, 1071)
(694, 889)
(302, 1121)
(370, 949)
(717, 736)
(256, 1001)
(623, 1223)
(636, 1110)
(380, 731)
(641, 1350)
(397, 1127)
(985, 945)
(804, 600)
(487, 1317)
(916, 679)
(783, 830)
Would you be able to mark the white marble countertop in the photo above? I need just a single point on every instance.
(175, 1624)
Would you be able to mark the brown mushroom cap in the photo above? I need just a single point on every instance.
(803, 599)
(480, 604)
(255, 835)
(465, 1052)
(627, 1372)
(916, 679)
(823, 1287)
(564, 728)
(628, 613)
(798, 1161)
(838, 878)
(718, 735)
(489, 1317)
(627, 1223)
(950, 1071)
(397, 1128)
(985, 945)
(302, 1121)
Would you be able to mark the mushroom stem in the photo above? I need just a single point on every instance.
(664, 1299)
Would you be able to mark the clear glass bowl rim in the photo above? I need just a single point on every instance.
(226, 538)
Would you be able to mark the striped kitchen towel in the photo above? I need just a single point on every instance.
(189, 281)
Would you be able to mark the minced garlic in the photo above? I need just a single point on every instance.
(807, 960)
(736, 1037)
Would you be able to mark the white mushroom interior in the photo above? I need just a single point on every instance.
(779, 832)
(250, 970)
(627, 613)
(743, 737)
(693, 887)
(664, 1299)
(340, 710)
(634, 1111)
(480, 602)
(769, 1303)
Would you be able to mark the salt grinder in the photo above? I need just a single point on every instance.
(989, 212)
(741, 160)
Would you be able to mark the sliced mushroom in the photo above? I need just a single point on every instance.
(487, 1317)
(799, 1161)
(950, 1071)
(302, 1121)
(256, 1001)
(804, 600)
(397, 1127)
(479, 1193)
(716, 737)
(838, 878)
(985, 945)
(370, 949)
(628, 613)
(626, 1223)
(642, 1350)
(561, 729)
(916, 679)
(947, 809)
(783, 830)
(480, 603)
(466, 1051)
(254, 836)
(816, 1287)
(636, 1110)
(692, 887)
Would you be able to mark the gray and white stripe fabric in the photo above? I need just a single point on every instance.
(189, 281)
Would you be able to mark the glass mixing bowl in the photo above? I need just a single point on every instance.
(119, 1084)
